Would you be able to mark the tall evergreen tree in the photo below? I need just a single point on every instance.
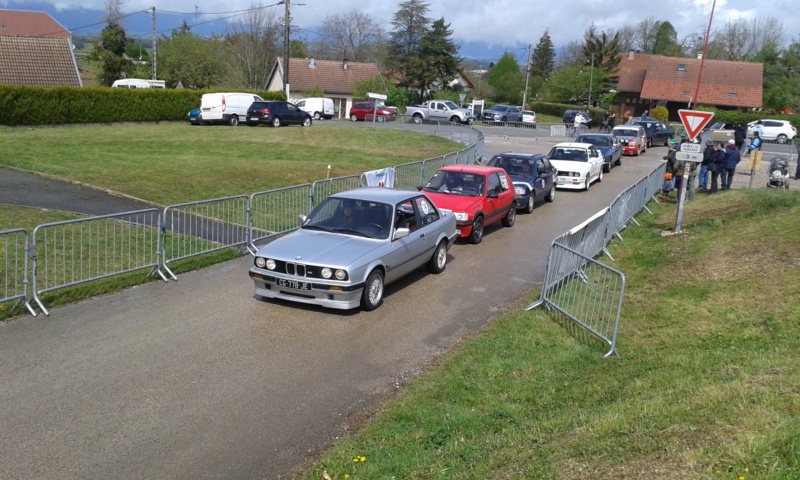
(439, 58)
(543, 60)
(110, 51)
(411, 25)
(602, 49)
(666, 41)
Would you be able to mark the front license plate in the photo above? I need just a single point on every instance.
(458, 231)
(293, 284)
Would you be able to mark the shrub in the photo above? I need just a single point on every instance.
(661, 113)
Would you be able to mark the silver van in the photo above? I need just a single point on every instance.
(227, 108)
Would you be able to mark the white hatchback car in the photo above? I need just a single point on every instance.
(578, 165)
(780, 130)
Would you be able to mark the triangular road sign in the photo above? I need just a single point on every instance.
(694, 121)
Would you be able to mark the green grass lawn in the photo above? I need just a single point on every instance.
(175, 162)
(707, 386)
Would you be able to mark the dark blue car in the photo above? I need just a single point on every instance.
(195, 116)
(607, 144)
(532, 174)
(658, 132)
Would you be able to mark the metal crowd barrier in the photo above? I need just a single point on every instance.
(72, 252)
(206, 226)
(583, 289)
(14, 246)
(322, 189)
(275, 212)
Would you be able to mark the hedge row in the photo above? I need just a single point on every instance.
(20, 105)
(558, 109)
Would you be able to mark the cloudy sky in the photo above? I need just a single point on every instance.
(482, 27)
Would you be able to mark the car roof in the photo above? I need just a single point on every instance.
(573, 145)
(519, 155)
(378, 194)
(595, 135)
(481, 169)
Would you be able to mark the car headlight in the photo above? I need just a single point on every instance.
(261, 262)
(461, 216)
(519, 190)
(326, 272)
(340, 274)
(270, 264)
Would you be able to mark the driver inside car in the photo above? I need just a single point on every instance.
(347, 216)
(453, 182)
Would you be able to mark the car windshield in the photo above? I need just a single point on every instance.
(626, 133)
(456, 183)
(351, 217)
(513, 165)
(568, 153)
(499, 108)
(451, 105)
(594, 140)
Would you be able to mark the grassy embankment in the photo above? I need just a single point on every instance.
(707, 386)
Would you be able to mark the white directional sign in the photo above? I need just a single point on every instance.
(377, 96)
(689, 157)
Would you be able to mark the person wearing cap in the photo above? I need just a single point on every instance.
(755, 143)
(705, 166)
(732, 157)
(716, 166)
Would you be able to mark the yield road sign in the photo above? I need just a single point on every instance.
(689, 157)
(694, 121)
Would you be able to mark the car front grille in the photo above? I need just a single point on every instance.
(298, 269)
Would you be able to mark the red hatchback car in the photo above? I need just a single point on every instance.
(366, 110)
(478, 196)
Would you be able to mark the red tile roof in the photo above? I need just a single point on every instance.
(21, 23)
(38, 62)
(736, 84)
(329, 75)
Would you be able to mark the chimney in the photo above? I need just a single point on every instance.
(311, 64)
(344, 64)
(630, 55)
(700, 56)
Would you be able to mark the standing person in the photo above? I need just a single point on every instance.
(705, 166)
(716, 166)
(578, 123)
(626, 117)
(739, 134)
(732, 158)
(694, 169)
(604, 123)
(612, 119)
(755, 143)
(797, 171)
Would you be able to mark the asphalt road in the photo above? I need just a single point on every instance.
(198, 379)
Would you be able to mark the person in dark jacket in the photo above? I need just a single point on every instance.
(732, 158)
(739, 135)
(705, 166)
(716, 166)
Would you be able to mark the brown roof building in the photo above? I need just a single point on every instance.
(648, 80)
(35, 50)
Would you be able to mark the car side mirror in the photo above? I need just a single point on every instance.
(400, 233)
(302, 218)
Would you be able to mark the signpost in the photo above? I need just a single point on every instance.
(694, 121)
(376, 96)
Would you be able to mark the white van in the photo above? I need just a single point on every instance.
(138, 83)
(227, 108)
(318, 107)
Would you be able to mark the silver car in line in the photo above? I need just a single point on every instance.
(353, 244)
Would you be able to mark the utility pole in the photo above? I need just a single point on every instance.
(527, 74)
(155, 71)
(591, 80)
(287, 22)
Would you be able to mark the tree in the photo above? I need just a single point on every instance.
(781, 77)
(191, 60)
(253, 46)
(543, 60)
(410, 26)
(354, 35)
(645, 35)
(666, 41)
(507, 80)
(439, 63)
(602, 49)
(742, 40)
(110, 52)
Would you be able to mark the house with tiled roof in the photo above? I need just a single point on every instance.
(646, 81)
(36, 50)
(334, 78)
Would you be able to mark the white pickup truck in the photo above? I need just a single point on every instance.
(439, 110)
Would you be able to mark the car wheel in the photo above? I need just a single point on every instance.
(276, 122)
(233, 120)
(439, 259)
(587, 184)
(600, 178)
(317, 116)
(619, 161)
(417, 118)
(372, 296)
(511, 217)
(353, 118)
(476, 235)
(551, 196)
(455, 119)
(307, 122)
(649, 142)
(381, 119)
(607, 167)
(782, 138)
(529, 205)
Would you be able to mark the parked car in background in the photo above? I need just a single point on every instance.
(439, 110)
(478, 195)
(138, 83)
(718, 132)
(578, 164)
(276, 113)
(353, 244)
(608, 145)
(657, 132)
(317, 107)
(632, 137)
(502, 113)
(569, 117)
(227, 108)
(195, 117)
(533, 177)
(780, 130)
(365, 111)
(529, 118)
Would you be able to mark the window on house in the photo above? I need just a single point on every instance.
(681, 67)
(733, 95)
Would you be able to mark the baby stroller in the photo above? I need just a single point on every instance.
(779, 173)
